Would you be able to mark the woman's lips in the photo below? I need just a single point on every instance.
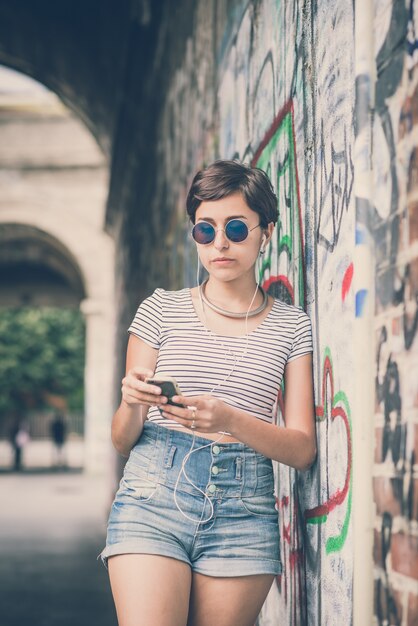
(222, 261)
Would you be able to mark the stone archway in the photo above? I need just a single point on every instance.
(36, 269)
(40, 271)
(52, 239)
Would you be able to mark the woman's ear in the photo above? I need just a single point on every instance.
(268, 233)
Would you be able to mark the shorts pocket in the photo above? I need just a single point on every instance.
(264, 467)
(260, 505)
(143, 453)
(138, 487)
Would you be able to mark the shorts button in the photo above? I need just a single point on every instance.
(215, 470)
(211, 488)
(216, 449)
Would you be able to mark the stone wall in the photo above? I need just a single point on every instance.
(272, 83)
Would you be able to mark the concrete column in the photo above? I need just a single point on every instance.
(363, 433)
(99, 366)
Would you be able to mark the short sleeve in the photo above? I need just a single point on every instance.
(148, 320)
(302, 342)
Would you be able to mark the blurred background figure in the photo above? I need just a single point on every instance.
(19, 438)
(58, 430)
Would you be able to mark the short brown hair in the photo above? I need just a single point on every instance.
(223, 178)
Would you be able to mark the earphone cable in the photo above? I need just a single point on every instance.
(222, 433)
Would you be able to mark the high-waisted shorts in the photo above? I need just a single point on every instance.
(219, 515)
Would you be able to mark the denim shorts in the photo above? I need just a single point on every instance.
(219, 515)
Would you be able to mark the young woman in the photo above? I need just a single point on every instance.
(193, 534)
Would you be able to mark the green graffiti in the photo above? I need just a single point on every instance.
(318, 520)
(334, 544)
(278, 159)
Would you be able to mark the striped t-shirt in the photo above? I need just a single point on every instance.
(201, 360)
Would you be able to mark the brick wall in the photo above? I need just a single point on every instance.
(392, 221)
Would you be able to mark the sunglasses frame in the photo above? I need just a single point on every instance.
(215, 230)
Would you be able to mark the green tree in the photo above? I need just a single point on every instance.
(41, 353)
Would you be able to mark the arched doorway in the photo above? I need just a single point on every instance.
(53, 248)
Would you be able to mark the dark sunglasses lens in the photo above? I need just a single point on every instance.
(236, 230)
(203, 232)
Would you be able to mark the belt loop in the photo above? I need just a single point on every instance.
(238, 468)
(168, 463)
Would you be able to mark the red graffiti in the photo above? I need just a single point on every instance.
(340, 494)
(292, 550)
(283, 280)
(347, 280)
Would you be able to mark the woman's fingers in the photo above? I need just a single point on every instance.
(132, 382)
(181, 419)
(144, 401)
(137, 377)
(129, 399)
(136, 391)
(178, 412)
(186, 420)
(194, 401)
(145, 388)
(139, 396)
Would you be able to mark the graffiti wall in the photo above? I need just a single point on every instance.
(390, 217)
(271, 83)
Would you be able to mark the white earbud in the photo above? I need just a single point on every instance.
(263, 243)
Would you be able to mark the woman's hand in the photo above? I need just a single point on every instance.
(205, 413)
(136, 391)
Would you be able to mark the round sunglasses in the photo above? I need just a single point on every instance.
(236, 230)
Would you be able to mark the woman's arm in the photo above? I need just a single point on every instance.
(294, 444)
(137, 396)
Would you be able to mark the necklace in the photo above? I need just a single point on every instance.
(228, 353)
(221, 311)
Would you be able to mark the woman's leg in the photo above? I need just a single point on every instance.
(150, 589)
(227, 601)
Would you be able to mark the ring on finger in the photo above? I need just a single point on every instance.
(193, 424)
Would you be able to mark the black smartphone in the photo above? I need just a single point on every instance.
(169, 387)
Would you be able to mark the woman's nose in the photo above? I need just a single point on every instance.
(221, 240)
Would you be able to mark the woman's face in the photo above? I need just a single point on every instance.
(223, 258)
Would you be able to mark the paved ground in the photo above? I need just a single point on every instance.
(52, 527)
(42, 453)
